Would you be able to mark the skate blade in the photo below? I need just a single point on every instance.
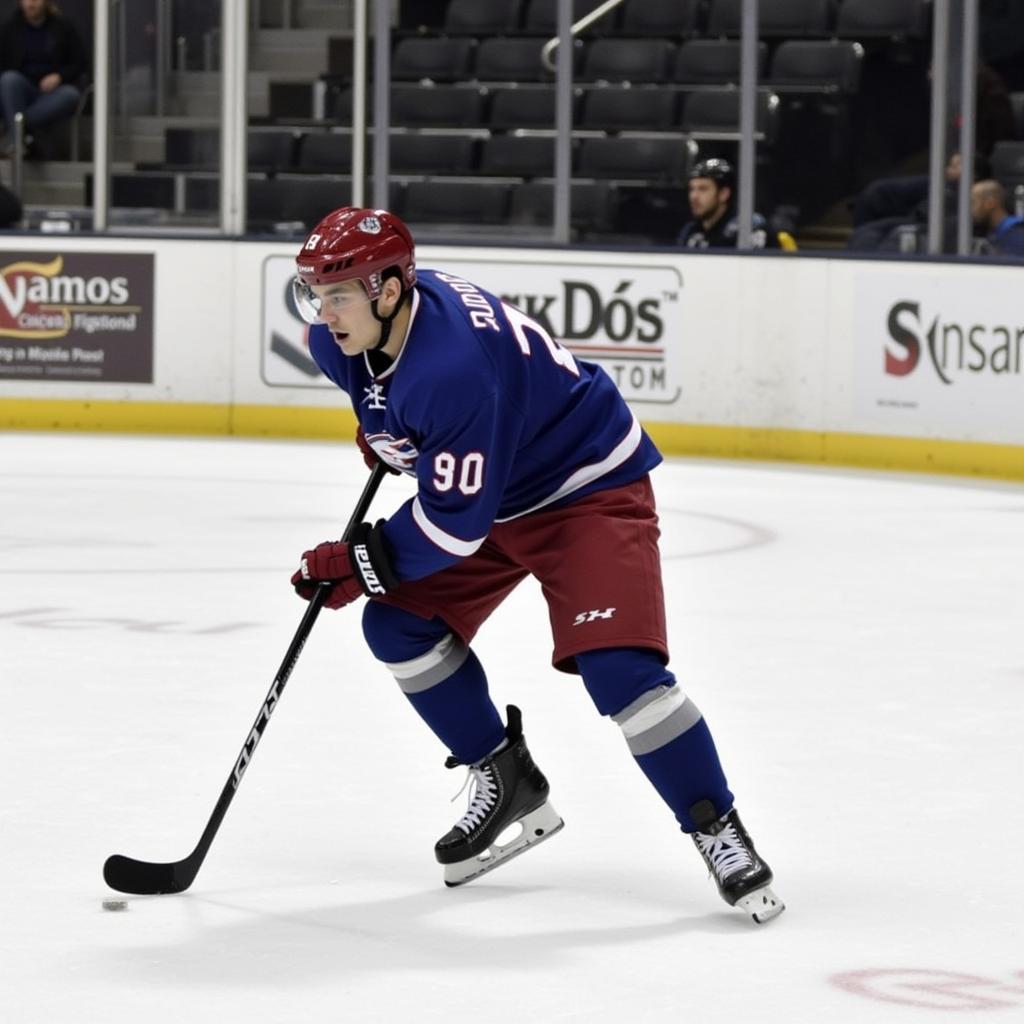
(761, 904)
(536, 826)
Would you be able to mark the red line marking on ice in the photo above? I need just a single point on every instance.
(931, 989)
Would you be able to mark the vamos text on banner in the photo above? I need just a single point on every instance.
(76, 316)
(627, 318)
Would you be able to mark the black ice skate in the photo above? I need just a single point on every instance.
(743, 878)
(507, 790)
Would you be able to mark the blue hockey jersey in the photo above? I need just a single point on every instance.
(490, 414)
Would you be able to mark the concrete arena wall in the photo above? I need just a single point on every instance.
(900, 365)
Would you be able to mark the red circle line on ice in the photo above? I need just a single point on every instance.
(933, 989)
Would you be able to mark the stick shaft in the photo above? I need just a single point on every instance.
(129, 875)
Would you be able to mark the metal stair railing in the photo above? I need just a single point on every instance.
(547, 51)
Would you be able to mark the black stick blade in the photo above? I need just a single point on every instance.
(125, 874)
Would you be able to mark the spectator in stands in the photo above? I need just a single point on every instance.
(888, 205)
(1004, 233)
(715, 223)
(42, 63)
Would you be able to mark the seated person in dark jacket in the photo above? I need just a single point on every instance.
(1004, 234)
(715, 224)
(42, 62)
(886, 205)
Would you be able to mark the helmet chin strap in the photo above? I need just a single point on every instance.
(386, 321)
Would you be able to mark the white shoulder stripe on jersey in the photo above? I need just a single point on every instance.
(588, 474)
(445, 541)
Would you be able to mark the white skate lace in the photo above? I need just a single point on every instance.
(725, 852)
(482, 795)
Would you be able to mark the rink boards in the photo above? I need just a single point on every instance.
(901, 364)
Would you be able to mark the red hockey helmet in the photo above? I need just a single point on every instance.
(355, 242)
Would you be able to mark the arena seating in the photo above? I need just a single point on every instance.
(472, 110)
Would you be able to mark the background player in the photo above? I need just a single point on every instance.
(526, 461)
(715, 224)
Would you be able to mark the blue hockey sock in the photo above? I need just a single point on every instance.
(442, 678)
(665, 732)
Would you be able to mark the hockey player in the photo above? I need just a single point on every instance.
(715, 225)
(526, 461)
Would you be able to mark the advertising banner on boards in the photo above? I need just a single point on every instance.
(76, 316)
(625, 317)
(941, 350)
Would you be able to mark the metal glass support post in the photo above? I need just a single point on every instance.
(101, 116)
(381, 105)
(563, 125)
(162, 55)
(359, 38)
(234, 45)
(937, 155)
(121, 18)
(748, 125)
(18, 155)
(968, 88)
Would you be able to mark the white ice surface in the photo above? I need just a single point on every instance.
(855, 641)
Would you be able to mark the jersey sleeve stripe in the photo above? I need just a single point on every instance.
(588, 474)
(445, 541)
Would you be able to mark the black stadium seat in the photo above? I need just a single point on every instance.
(518, 60)
(654, 158)
(482, 17)
(777, 19)
(325, 152)
(286, 199)
(271, 150)
(591, 204)
(265, 202)
(199, 149)
(139, 189)
(432, 154)
(881, 19)
(718, 113)
(511, 60)
(629, 60)
(455, 202)
(192, 148)
(525, 156)
(714, 62)
(1008, 163)
(440, 60)
(805, 63)
(523, 107)
(439, 106)
(1017, 102)
(667, 19)
(627, 109)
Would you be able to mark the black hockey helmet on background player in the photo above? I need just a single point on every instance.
(355, 243)
(719, 170)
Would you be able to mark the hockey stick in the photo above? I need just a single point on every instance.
(125, 874)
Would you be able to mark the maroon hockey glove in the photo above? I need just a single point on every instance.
(370, 457)
(362, 566)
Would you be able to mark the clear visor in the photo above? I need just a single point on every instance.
(311, 306)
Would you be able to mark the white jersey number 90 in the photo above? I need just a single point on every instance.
(466, 473)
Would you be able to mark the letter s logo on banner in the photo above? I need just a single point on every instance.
(900, 366)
